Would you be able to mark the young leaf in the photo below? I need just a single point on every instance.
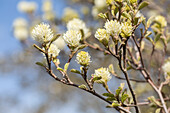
(143, 4)
(60, 69)
(96, 78)
(115, 104)
(108, 95)
(111, 69)
(40, 64)
(124, 97)
(66, 66)
(82, 86)
(75, 71)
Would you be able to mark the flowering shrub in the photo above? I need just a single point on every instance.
(120, 38)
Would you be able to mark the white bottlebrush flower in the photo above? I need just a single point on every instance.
(83, 58)
(27, 6)
(21, 33)
(20, 22)
(53, 50)
(42, 33)
(127, 29)
(113, 27)
(103, 73)
(102, 36)
(72, 38)
(77, 24)
(60, 43)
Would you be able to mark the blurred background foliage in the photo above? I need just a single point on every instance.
(26, 88)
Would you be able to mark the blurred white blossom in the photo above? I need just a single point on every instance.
(20, 22)
(69, 14)
(21, 33)
(77, 24)
(60, 43)
(27, 6)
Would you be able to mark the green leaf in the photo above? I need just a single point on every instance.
(136, 21)
(97, 78)
(40, 64)
(127, 15)
(118, 91)
(115, 104)
(108, 95)
(158, 110)
(82, 46)
(101, 15)
(82, 86)
(154, 101)
(150, 21)
(148, 33)
(124, 97)
(75, 71)
(143, 4)
(157, 37)
(60, 69)
(150, 40)
(111, 69)
(111, 98)
(66, 66)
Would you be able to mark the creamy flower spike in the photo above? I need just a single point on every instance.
(113, 27)
(103, 73)
(53, 50)
(83, 58)
(77, 24)
(42, 33)
(72, 38)
(127, 29)
(102, 36)
(27, 7)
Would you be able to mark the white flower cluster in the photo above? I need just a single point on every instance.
(83, 58)
(127, 29)
(113, 27)
(72, 38)
(103, 73)
(27, 6)
(102, 34)
(53, 50)
(42, 33)
(77, 24)
(20, 26)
